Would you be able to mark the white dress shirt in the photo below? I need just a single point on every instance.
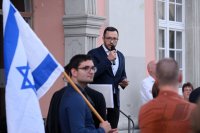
(114, 67)
(146, 90)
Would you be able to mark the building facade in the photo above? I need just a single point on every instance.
(148, 30)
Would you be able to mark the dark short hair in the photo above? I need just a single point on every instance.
(76, 61)
(194, 95)
(167, 71)
(109, 29)
(155, 90)
(188, 84)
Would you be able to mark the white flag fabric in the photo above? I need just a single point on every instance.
(30, 71)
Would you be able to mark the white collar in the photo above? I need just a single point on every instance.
(151, 78)
(105, 49)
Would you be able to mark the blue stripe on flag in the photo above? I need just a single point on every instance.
(43, 71)
(10, 42)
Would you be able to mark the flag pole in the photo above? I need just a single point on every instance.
(85, 99)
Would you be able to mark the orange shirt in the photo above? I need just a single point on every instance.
(168, 113)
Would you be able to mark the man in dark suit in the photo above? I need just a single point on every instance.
(74, 114)
(99, 103)
(82, 76)
(110, 65)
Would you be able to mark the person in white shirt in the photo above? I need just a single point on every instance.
(147, 83)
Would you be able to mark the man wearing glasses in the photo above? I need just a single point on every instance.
(74, 114)
(110, 65)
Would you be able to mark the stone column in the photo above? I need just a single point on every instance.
(192, 41)
(81, 27)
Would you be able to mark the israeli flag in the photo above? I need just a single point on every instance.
(30, 71)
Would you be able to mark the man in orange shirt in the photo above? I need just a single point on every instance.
(168, 112)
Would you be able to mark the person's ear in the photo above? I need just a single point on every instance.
(74, 72)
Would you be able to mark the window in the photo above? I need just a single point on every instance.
(171, 27)
(24, 6)
(175, 10)
(171, 30)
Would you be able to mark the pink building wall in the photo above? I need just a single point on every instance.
(101, 11)
(47, 24)
(150, 43)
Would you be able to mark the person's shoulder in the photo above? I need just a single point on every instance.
(193, 106)
(190, 105)
(120, 53)
(146, 109)
(148, 105)
(71, 93)
(149, 78)
(153, 105)
(145, 80)
(93, 92)
(95, 49)
(60, 91)
(72, 99)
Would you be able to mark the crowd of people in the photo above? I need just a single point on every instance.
(168, 112)
(163, 110)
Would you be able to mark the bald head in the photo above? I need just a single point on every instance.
(151, 67)
(167, 72)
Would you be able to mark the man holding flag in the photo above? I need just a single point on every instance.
(30, 71)
(73, 114)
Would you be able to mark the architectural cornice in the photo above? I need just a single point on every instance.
(79, 25)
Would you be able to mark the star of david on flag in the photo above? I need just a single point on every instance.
(24, 70)
(30, 71)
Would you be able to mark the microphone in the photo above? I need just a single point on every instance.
(113, 48)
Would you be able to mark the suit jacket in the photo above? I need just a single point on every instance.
(74, 114)
(104, 74)
(52, 122)
(99, 104)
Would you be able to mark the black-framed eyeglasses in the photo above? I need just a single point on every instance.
(111, 39)
(88, 68)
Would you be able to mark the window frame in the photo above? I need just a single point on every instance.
(168, 25)
(26, 14)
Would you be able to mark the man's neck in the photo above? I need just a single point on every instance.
(173, 88)
(106, 47)
(82, 85)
